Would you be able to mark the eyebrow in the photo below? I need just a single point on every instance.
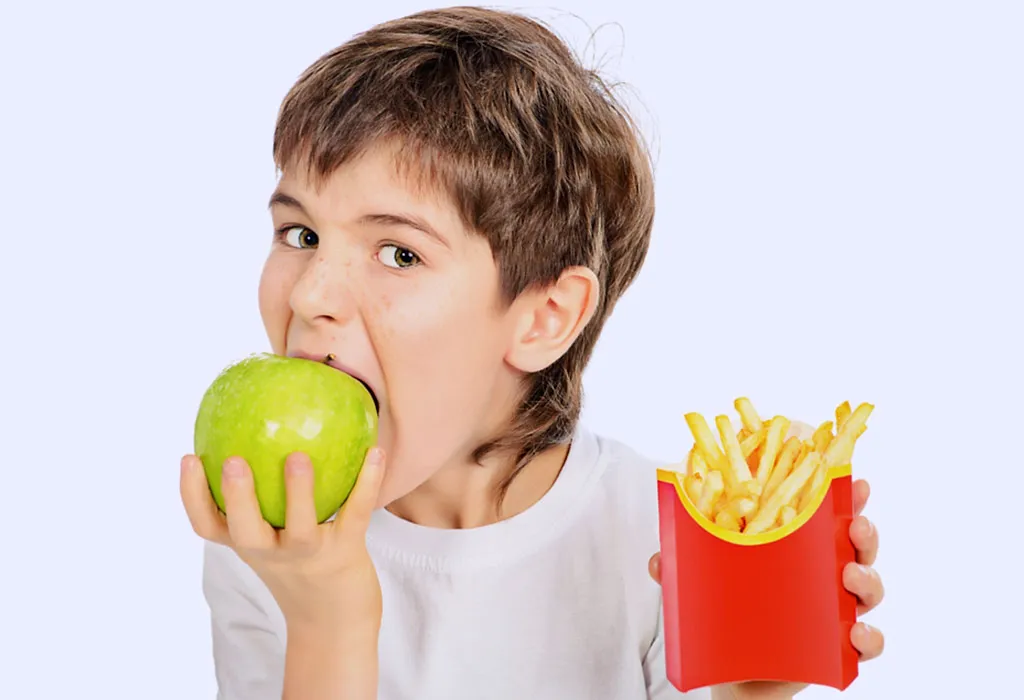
(408, 220)
(286, 200)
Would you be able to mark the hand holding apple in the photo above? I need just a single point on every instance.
(280, 444)
(321, 575)
(266, 407)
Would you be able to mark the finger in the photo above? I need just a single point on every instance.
(203, 514)
(355, 514)
(300, 528)
(867, 640)
(654, 567)
(861, 492)
(864, 536)
(865, 583)
(246, 525)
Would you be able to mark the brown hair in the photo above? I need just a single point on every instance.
(534, 150)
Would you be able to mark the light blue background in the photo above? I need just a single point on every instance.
(840, 217)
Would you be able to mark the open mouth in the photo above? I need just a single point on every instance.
(331, 361)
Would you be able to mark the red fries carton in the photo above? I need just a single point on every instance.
(768, 606)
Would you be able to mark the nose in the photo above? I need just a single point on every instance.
(323, 292)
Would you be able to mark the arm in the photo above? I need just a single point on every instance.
(327, 666)
(318, 580)
(251, 658)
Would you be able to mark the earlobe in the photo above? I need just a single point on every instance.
(551, 319)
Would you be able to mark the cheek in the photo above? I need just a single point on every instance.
(442, 359)
(276, 283)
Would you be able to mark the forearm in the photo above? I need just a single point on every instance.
(331, 665)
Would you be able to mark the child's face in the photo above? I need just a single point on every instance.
(418, 319)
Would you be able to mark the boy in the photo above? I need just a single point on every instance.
(460, 206)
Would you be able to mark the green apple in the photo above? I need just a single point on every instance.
(267, 406)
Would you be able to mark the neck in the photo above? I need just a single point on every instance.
(465, 495)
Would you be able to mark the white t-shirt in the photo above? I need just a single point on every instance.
(552, 604)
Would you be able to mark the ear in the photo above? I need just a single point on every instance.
(548, 321)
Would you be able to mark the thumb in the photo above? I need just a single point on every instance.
(355, 514)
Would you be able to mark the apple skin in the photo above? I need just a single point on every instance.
(265, 407)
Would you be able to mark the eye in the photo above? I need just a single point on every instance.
(299, 237)
(398, 257)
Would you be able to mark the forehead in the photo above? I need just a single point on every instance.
(378, 181)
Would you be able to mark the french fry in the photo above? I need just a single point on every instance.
(704, 440)
(742, 507)
(735, 469)
(822, 437)
(842, 413)
(805, 447)
(787, 458)
(713, 487)
(727, 520)
(764, 474)
(694, 486)
(749, 489)
(751, 421)
(840, 450)
(752, 441)
(789, 489)
(816, 482)
(773, 442)
(697, 466)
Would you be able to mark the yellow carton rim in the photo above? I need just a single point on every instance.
(676, 479)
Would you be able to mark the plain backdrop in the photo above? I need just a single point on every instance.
(840, 216)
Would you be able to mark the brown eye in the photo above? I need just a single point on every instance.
(301, 237)
(398, 257)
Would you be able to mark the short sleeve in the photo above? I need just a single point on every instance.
(246, 626)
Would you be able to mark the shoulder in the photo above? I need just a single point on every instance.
(621, 515)
(629, 482)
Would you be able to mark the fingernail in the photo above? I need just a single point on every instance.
(375, 457)
(232, 468)
(186, 464)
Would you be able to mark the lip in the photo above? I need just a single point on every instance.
(331, 360)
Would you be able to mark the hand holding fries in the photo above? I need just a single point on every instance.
(757, 479)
